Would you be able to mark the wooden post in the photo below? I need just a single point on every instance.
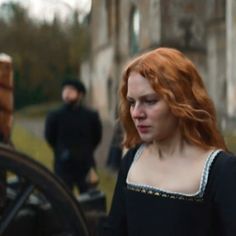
(6, 97)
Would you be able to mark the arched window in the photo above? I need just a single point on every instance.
(134, 30)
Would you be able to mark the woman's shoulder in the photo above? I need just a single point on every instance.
(224, 188)
(226, 160)
(129, 157)
(224, 168)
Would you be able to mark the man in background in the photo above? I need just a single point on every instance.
(73, 131)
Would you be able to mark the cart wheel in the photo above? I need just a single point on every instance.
(38, 196)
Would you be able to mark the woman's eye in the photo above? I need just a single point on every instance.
(131, 103)
(151, 102)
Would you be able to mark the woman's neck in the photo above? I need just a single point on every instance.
(169, 147)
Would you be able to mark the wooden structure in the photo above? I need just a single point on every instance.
(6, 97)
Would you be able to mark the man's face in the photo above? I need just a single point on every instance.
(70, 94)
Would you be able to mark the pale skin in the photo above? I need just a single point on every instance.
(70, 94)
(168, 162)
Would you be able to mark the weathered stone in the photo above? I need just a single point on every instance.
(199, 28)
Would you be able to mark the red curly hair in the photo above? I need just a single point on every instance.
(174, 77)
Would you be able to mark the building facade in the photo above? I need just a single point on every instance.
(121, 29)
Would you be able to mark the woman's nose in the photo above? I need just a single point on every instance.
(137, 111)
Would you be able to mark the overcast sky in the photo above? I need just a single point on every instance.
(46, 9)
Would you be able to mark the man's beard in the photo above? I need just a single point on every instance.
(71, 103)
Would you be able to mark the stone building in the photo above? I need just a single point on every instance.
(203, 29)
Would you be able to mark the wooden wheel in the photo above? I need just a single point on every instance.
(39, 196)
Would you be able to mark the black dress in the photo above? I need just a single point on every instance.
(143, 210)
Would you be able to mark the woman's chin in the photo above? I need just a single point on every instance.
(146, 138)
(151, 139)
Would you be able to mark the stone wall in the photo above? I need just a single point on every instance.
(199, 28)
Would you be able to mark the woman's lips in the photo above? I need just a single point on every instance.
(143, 128)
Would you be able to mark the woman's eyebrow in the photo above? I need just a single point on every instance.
(154, 95)
(129, 98)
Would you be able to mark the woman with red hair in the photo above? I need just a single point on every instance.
(177, 177)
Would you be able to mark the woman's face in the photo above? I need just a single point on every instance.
(150, 113)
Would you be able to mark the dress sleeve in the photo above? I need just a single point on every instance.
(116, 224)
(225, 196)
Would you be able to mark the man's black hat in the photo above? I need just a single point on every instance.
(77, 84)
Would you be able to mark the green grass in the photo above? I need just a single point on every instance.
(36, 111)
(33, 146)
(230, 140)
(38, 149)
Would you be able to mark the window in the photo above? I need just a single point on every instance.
(134, 30)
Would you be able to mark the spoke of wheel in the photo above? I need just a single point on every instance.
(11, 212)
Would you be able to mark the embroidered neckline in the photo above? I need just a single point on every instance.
(197, 196)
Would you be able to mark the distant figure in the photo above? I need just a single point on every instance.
(73, 131)
(115, 150)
